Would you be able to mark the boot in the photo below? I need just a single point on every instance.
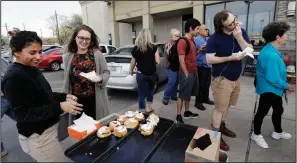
(226, 131)
(223, 145)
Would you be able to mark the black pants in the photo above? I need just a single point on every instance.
(268, 100)
(204, 76)
(89, 106)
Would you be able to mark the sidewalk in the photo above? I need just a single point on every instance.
(239, 120)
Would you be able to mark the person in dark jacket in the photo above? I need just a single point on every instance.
(35, 106)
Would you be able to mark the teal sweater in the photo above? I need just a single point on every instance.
(271, 71)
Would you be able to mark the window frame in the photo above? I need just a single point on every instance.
(248, 11)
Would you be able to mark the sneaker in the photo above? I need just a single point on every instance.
(189, 114)
(226, 132)
(3, 151)
(199, 106)
(165, 102)
(223, 145)
(179, 119)
(259, 139)
(282, 135)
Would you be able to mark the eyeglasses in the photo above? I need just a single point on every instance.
(232, 23)
(81, 38)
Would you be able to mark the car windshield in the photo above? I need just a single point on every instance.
(123, 51)
(48, 51)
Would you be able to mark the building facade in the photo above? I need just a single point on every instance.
(126, 18)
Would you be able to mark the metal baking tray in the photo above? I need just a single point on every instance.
(173, 149)
(137, 147)
(91, 148)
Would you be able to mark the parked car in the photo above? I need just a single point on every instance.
(48, 47)
(107, 49)
(6, 55)
(119, 64)
(51, 60)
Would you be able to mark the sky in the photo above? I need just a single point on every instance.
(32, 15)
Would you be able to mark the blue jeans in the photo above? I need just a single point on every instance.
(171, 88)
(5, 109)
(146, 86)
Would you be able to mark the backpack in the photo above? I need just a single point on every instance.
(173, 55)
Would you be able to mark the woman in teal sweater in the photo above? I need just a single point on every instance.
(271, 81)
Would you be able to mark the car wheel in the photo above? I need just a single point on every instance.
(55, 66)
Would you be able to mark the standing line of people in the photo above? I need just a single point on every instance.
(194, 63)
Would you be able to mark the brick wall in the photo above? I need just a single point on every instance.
(281, 14)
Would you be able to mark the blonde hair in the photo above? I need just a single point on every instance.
(144, 40)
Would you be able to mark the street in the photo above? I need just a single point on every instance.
(118, 100)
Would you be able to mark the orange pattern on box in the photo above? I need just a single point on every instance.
(80, 135)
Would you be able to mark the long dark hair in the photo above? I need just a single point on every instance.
(94, 44)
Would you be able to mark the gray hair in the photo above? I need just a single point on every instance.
(144, 40)
(173, 33)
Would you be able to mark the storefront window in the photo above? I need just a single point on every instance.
(210, 12)
(260, 13)
(239, 10)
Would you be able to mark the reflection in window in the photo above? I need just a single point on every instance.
(239, 10)
(261, 13)
(210, 12)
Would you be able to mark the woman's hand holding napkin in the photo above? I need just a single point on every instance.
(92, 76)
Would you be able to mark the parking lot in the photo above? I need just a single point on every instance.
(118, 100)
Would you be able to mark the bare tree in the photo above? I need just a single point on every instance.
(66, 26)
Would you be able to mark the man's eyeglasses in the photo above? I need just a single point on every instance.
(84, 39)
(232, 23)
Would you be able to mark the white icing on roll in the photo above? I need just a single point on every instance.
(115, 123)
(146, 127)
(102, 130)
(152, 121)
(129, 114)
(132, 120)
(120, 128)
(139, 115)
(154, 117)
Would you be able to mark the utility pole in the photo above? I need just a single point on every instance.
(58, 36)
(41, 33)
(6, 27)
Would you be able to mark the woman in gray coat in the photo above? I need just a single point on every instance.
(83, 56)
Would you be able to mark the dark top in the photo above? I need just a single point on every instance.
(223, 44)
(31, 99)
(82, 87)
(145, 61)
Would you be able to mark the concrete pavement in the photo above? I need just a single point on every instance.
(239, 120)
